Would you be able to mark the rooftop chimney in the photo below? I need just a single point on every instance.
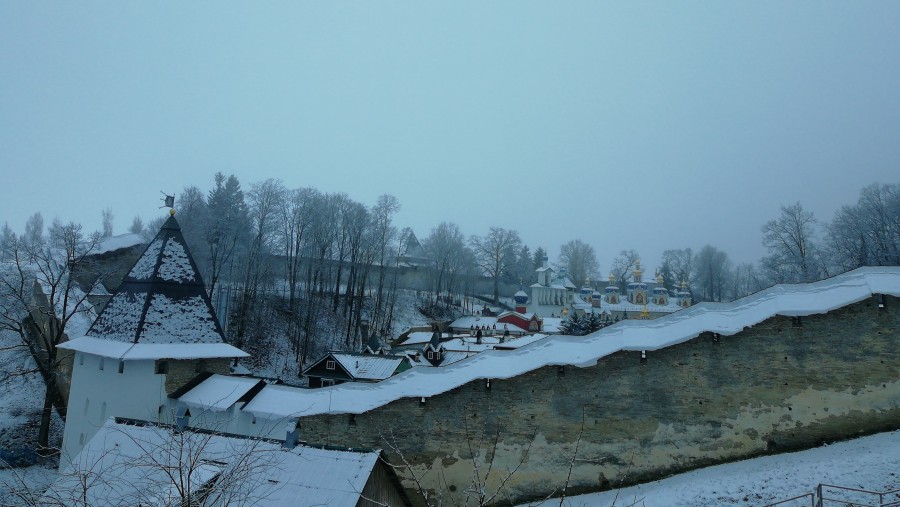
(292, 436)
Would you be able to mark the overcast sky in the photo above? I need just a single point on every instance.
(627, 125)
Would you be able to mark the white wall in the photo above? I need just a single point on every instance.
(97, 395)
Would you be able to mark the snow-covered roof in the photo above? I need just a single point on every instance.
(525, 316)
(141, 351)
(118, 242)
(551, 324)
(138, 465)
(449, 357)
(584, 351)
(467, 321)
(219, 392)
(469, 344)
(368, 366)
(162, 300)
(416, 338)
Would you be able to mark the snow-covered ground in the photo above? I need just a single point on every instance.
(870, 463)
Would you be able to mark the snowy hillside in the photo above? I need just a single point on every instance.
(869, 463)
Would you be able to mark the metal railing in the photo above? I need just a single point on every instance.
(794, 501)
(832, 495)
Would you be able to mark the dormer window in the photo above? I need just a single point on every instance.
(329, 365)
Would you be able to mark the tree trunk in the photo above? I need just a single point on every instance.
(43, 441)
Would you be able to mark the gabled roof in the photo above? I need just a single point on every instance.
(368, 366)
(374, 345)
(135, 461)
(161, 301)
(162, 298)
(362, 366)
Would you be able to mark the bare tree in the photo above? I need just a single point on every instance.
(40, 300)
(868, 233)
(107, 222)
(746, 280)
(580, 261)
(790, 240)
(137, 225)
(623, 266)
(713, 273)
(7, 240)
(445, 247)
(382, 220)
(496, 252)
(34, 231)
(264, 199)
(137, 463)
(678, 266)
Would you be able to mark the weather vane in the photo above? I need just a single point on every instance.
(168, 200)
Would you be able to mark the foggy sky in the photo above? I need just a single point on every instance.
(628, 125)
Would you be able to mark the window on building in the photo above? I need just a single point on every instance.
(430, 355)
(329, 365)
(101, 363)
(121, 366)
(81, 358)
(87, 405)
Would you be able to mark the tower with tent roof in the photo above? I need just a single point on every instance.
(156, 333)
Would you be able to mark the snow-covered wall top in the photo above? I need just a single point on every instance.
(277, 401)
(118, 242)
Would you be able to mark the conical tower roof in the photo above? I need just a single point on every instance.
(162, 300)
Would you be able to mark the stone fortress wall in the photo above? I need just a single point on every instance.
(786, 383)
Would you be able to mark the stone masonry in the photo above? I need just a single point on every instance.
(784, 384)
